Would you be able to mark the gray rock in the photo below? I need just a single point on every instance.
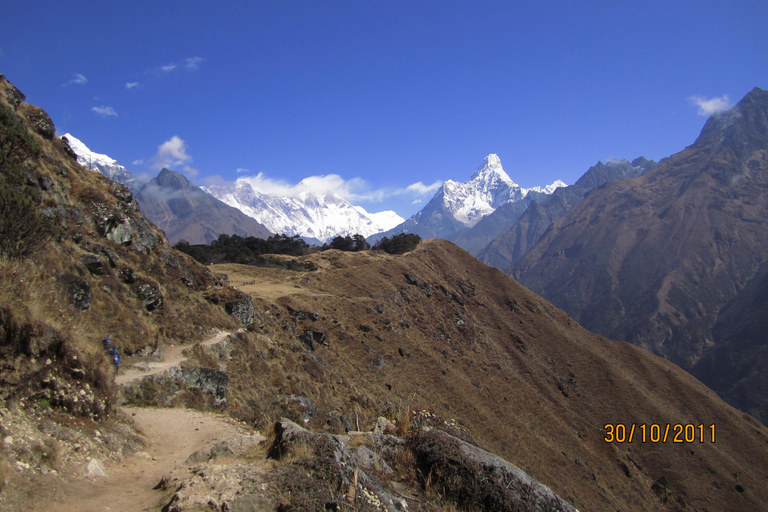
(78, 291)
(128, 275)
(41, 122)
(95, 468)
(312, 336)
(76, 215)
(120, 191)
(149, 295)
(242, 309)
(238, 446)
(93, 263)
(112, 257)
(477, 477)
(384, 426)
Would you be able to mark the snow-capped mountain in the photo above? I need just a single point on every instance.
(457, 206)
(101, 163)
(488, 188)
(321, 216)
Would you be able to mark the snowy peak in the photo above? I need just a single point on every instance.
(306, 211)
(100, 163)
(85, 156)
(489, 188)
(491, 171)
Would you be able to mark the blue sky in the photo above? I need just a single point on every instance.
(383, 95)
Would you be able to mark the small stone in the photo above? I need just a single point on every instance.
(95, 468)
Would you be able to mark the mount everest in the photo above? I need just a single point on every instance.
(318, 216)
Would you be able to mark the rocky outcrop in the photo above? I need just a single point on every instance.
(78, 291)
(149, 295)
(364, 471)
(39, 120)
(93, 263)
(187, 387)
(241, 308)
(475, 478)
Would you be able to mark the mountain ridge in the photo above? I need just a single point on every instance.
(653, 259)
(458, 206)
(321, 215)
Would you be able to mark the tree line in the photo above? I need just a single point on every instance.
(252, 251)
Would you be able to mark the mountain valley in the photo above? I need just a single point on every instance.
(423, 381)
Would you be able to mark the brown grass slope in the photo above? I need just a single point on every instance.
(370, 334)
(654, 259)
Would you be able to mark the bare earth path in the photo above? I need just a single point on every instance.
(172, 357)
(172, 436)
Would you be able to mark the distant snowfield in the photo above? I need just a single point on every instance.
(323, 216)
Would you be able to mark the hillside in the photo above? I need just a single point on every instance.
(370, 335)
(655, 260)
(78, 262)
(522, 231)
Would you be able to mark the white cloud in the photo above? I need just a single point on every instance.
(417, 201)
(104, 111)
(131, 85)
(353, 190)
(192, 63)
(138, 162)
(423, 189)
(708, 106)
(171, 153)
(190, 171)
(77, 79)
(241, 170)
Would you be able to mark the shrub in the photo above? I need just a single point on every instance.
(398, 244)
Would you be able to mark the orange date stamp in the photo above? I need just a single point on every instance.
(659, 433)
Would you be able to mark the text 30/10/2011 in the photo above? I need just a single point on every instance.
(656, 433)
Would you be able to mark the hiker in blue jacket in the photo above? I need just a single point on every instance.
(111, 350)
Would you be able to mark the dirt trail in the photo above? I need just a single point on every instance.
(172, 436)
(172, 357)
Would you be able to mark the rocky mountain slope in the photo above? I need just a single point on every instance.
(456, 207)
(370, 335)
(431, 339)
(182, 210)
(186, 212)
(78, 262)
(318, 217)
(518, 231)
(663, 259)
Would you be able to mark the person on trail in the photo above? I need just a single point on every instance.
(111, 350)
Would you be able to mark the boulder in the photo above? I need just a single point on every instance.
(40, 120)
(475, 478)
(241, 308)
(95, 468)
(93, 263)
(78, 291)
(149, 295)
